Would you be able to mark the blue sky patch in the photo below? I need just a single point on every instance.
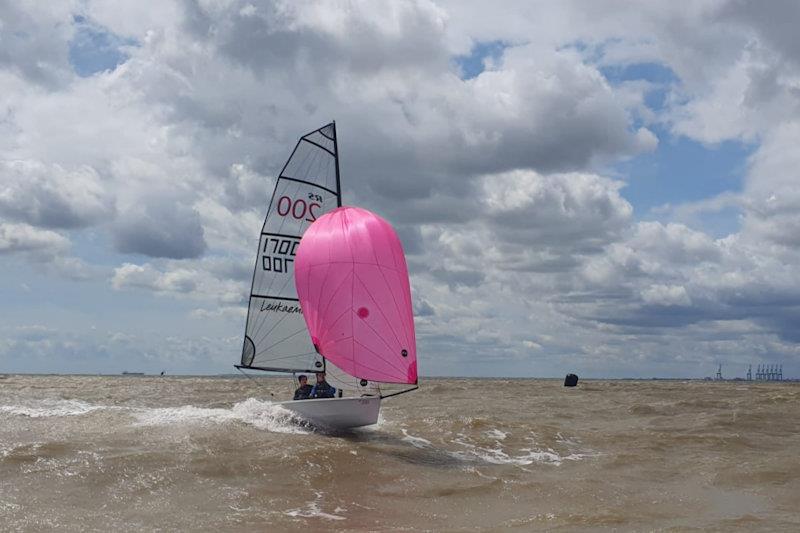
(94, 49)
(661, 76)
(473, 64)
(682, 170)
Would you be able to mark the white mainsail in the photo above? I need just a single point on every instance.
(276, 337)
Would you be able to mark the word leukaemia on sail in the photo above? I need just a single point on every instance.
(330, 292)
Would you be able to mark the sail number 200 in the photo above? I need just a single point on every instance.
(299, 208)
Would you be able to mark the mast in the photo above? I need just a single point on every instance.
(336, 151)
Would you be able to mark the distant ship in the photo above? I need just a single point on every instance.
(126, 373)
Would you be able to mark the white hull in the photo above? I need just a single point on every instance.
(337, 413)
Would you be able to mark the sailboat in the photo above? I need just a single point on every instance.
(330, 293)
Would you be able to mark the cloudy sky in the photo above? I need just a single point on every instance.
(580, 186)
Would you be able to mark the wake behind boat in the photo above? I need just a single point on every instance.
(355, 299)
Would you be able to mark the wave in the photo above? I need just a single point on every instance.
(528, 456)
(496, 434)
(260, 414)
(498, 456)
(51, 407)
(312, 510)
(257, 413)
(522, 457)
(417, 442)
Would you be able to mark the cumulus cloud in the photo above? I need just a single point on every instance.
(160, 228)
(427, 131)
(773, 23)
(772, 200)
(147, 277)
(26, 238)
(53, 197)
(584, 210)
(34, 41)
(666, 295)
(211, 280)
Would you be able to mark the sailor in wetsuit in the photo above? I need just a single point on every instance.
(322, 389)
(303, 392)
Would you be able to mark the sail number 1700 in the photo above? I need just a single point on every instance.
(281, 254)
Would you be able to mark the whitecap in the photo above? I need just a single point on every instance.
(499, 456)
(257, 413)
(417, 442)
(495, 433)
(48, 407)
(264, 415)
(313, 510)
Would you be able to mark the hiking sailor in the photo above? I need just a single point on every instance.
(303, 392)
(322, 389)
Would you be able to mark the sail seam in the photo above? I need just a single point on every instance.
(309, 183)
(381, 358)
(290, 356)
(336, 321)
(385, 318)
(263, 320)
(270, 369)
(309, 141)
(396, 308)
(400, 314)
(276, 323)
(285, 235)
(323, 133)
(376, 333)
(328, 304)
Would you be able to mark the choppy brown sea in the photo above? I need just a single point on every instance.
(216, 454)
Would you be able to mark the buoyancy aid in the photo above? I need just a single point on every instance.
(323, 390)
(303, 392)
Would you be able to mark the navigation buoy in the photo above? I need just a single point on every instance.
(571, 380)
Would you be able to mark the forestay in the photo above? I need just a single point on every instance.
(308, 186)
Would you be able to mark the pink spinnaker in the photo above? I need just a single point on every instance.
(352, 281)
